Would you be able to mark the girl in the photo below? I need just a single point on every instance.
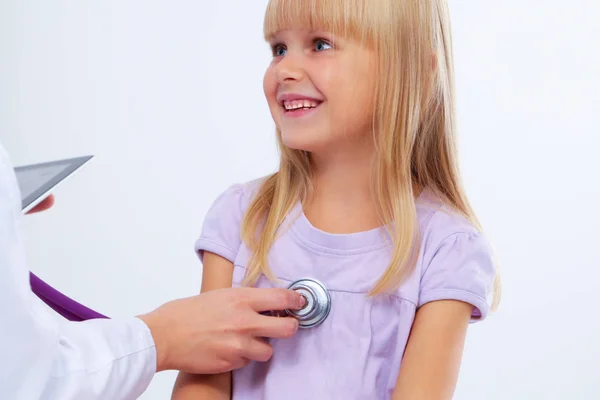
(367, 200)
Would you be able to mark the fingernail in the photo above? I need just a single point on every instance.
(302, 301)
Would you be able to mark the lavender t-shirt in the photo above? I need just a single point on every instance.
(356, 352)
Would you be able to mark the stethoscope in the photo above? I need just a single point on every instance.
(317, 306)
(62, 304)
(314, 312)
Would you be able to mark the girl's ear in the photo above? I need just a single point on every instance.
(434, 61)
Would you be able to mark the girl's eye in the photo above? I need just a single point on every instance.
(321, 45)
(278, 50)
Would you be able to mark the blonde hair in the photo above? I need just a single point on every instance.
(414, 124)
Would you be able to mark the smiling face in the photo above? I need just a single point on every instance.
(319, 89)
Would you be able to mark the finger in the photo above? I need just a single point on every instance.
(275, 327)
(274, 299)
(43, 205)
(237, 364)
(257, 350)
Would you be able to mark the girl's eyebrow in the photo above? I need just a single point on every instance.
(272, 36)
(273, 40)
(276, 36)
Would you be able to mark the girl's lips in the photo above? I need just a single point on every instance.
(285, 97)
(301, 112)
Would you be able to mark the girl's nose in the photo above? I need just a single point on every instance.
(289, 69)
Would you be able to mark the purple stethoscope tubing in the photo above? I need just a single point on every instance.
(63, 305)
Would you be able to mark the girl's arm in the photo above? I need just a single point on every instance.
(433, 354)
(217, 273)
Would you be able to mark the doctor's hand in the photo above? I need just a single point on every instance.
(220, 330)
(44, 205)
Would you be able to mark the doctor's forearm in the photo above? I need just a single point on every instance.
(102, 359)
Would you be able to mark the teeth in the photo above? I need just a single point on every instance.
(297, 104)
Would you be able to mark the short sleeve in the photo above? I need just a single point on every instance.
(461, 268)
(221, 228)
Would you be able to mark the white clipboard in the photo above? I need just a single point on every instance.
(38, 181)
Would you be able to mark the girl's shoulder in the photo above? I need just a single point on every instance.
(236, 197)
(438, 220)
(220, 232)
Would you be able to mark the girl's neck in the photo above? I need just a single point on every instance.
(342, 201)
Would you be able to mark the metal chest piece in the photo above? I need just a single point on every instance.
(318, 302)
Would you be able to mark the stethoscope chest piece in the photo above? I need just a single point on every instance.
(318, 302)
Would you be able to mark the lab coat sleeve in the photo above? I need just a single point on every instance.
(46, 358)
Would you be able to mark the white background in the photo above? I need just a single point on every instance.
(168, 96)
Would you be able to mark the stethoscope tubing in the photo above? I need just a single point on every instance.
(62, 304)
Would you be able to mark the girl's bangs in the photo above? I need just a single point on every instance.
(346, 18)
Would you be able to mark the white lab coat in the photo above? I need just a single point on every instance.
(41, 358)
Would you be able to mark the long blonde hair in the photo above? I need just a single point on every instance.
(414, 124)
